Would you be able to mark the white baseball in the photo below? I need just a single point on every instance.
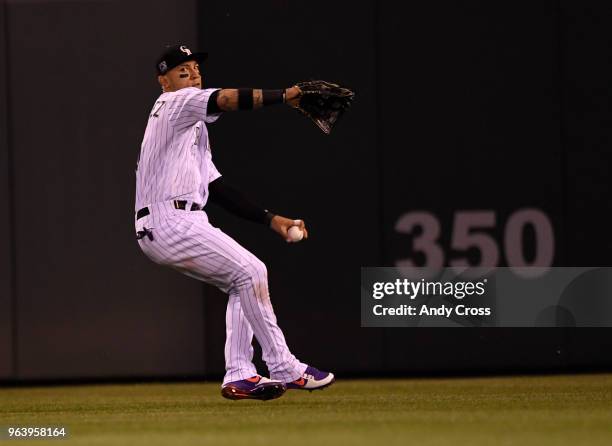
(295, 234)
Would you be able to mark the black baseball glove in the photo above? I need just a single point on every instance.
(323, 102)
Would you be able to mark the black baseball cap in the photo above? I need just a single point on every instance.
(174, 55)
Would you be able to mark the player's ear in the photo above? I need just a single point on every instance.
(163, 81)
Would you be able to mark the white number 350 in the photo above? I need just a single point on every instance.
(468, 233)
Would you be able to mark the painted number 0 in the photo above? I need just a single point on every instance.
(469, 232)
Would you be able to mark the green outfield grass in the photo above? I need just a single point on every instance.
(551, 410)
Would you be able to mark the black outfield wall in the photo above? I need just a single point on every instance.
(477, 118)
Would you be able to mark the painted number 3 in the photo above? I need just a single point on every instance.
(469, 232)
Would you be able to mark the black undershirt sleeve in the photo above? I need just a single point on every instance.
(234, 201)
(212, 107)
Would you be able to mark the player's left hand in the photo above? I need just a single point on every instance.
(282, 224)
(321, 101)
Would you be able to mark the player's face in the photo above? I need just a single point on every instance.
(185, 75)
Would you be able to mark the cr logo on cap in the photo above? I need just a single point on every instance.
(185, 50)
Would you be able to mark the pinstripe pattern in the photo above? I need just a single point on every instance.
(187, 242)
(176, 162)
(175, 155)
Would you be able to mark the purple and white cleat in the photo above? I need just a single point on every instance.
(255, 388)
(312, 379)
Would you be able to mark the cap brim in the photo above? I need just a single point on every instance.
(200, 57)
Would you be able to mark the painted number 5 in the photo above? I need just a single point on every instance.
(468, 233)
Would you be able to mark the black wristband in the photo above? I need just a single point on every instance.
(269, 217)
(271, 97)
(245, 99)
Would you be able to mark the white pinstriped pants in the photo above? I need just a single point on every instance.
(186, 241)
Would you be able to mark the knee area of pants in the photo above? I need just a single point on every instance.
(253, 272)
(257, 268)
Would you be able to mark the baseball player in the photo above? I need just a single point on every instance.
(175, 178)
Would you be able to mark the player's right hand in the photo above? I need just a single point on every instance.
(281, 225)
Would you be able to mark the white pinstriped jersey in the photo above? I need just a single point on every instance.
(175, 159)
